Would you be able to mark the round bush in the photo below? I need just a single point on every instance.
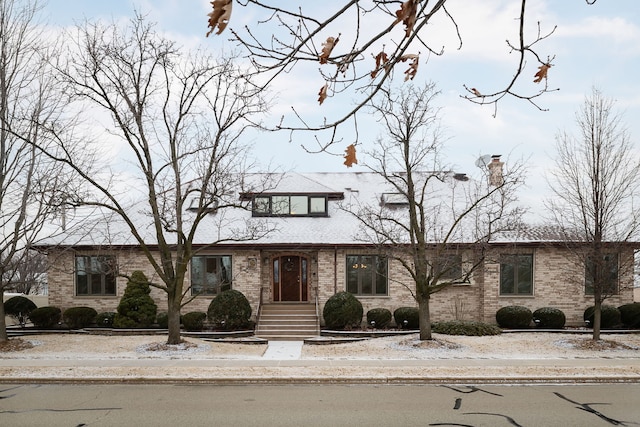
(342, 311)
(79, 317)
(407, 317)
(162, 319)
(514, 317)
(230, 310)
(45, 317)
(105, 319)
(609, 316)
(549, 317)
(379, 318)
(136, 309)
(468, 328)
(194, 321)
(19, 306)
(630, 315)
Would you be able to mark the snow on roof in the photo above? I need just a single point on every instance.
(340, 227)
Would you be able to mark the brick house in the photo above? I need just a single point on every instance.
(314, 253)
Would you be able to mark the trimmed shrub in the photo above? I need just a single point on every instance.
(609, 316)
(105, 319)
(549, 317)
(162, 319)
(136, 309)
(45, 317)
(194, 321)
(407, 317)
(379, 318)
(514, 316)
(19, 306)
(463, 327)
(79, 317)
(342, 311)
(230, 310)
(630, 314)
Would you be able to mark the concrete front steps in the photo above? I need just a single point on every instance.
(287, 321)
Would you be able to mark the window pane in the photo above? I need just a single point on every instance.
(299, 205)
(366, 275)
(525, 275)
(507, 275)
(276, 271)
(352, 274)
(261, 205)
(381, 276)
(318, 205)
(210, 275)
(303, 276)
(95, 275)
(516, 275)
(280, 205)
(110, 285)
(82, 284)
(96, 283)
(448, 267)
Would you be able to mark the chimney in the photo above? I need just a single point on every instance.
(495, 171)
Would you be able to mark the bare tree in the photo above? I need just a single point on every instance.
(28, 275)
(357, 46)
(437, 224)
(31, 185)
(179, 118)
(595, 188)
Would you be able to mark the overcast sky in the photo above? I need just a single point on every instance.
(597, 45)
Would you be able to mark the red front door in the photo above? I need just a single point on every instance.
(290, 278)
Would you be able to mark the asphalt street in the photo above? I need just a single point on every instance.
(319, 405)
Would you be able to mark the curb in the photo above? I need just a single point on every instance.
(328, 381)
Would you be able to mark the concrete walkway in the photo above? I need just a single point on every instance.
(283, 350)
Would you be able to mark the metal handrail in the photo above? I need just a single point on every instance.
(317, 311)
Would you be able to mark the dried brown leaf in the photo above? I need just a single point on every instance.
(220, 15)
(350, 156)
(327, 47)
(542, 73)
(322, 95)
(382, 60)
(413, 65)
(407, 15)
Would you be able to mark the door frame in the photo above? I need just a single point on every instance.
(276, 277)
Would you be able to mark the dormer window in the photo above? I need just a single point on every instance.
(290, 205)
(194, 205)
(394, 200)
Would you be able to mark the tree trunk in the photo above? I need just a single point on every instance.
(597, 319)
(4, 337)
(424, 319)
(173, 315)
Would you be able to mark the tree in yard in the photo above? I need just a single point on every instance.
(28, 274)
(136, 309)
(354, 47)
(595, 187)
(435, 223)
(178, 119)
(31, 185)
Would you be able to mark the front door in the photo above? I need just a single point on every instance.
(290, 278)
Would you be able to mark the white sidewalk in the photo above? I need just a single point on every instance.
(283, 350)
